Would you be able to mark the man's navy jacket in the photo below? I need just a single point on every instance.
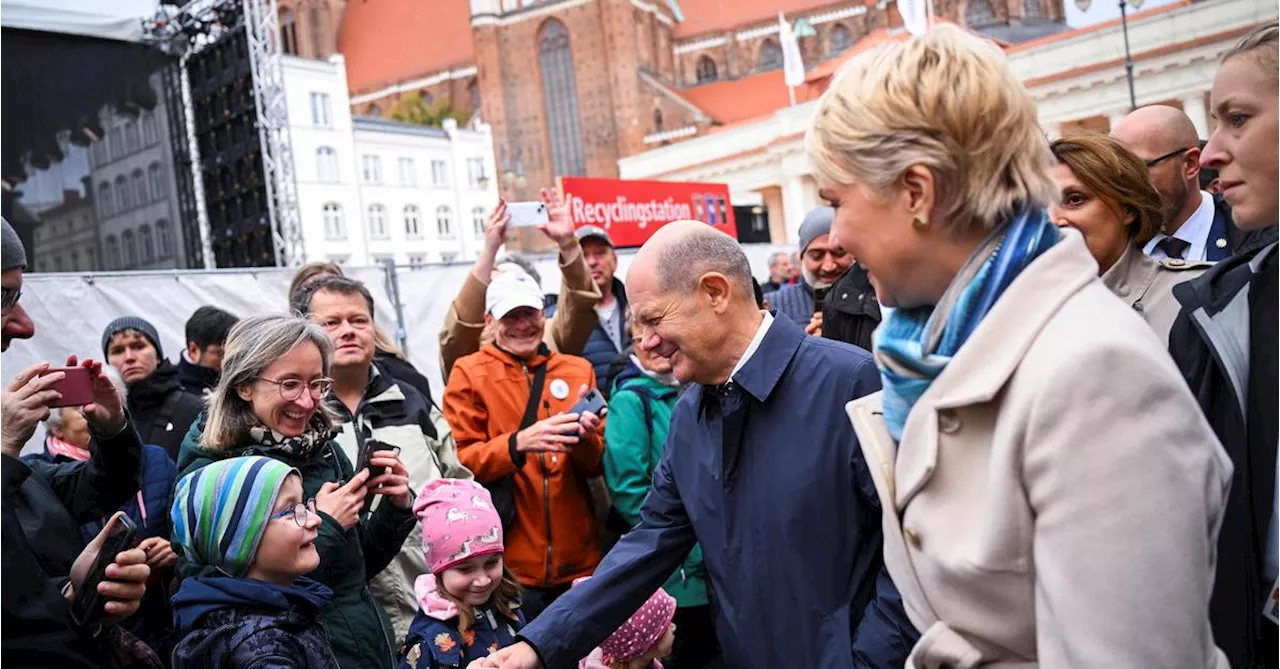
(784, 508)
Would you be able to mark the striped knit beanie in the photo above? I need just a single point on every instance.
(220, 511)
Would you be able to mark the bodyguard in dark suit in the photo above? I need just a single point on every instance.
(759, 468)
(1197, 224)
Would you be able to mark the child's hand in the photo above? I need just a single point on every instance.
(519, 656)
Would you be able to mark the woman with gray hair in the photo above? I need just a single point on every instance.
(1051, 494)
(270, 402)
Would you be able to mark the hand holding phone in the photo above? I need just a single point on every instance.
(592, 402)
(820, 299)
(88, 605)
(372, 446)
(527, 214)
(76, 387)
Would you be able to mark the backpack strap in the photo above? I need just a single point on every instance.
(646, 401)
(165, 416)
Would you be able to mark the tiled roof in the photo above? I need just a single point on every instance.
(703, 16)
(751, 96)
(388, 41)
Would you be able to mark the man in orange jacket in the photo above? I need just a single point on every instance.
(550, 453)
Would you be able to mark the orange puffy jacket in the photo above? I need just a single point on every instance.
(553, 539)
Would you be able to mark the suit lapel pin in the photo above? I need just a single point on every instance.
(1221, 243)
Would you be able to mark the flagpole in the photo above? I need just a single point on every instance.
(928, 5)
(791, 91)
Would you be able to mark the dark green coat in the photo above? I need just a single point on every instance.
(356, 627)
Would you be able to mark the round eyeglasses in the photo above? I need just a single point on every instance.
(291, 389)
(298, 511)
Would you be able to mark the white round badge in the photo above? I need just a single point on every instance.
(559, 389)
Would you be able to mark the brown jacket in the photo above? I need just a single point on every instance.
(1147, 285)
(1056, 496)
(567, 331)
(554, 537)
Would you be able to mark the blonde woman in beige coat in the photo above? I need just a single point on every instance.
(1106, 195)
(1051, 493)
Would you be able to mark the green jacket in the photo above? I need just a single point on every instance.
(633, 443)
(356, 627)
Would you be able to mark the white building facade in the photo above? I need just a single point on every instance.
(372, 190)
(1077, 79)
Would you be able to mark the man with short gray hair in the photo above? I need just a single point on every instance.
(779, 272)
(785, 510)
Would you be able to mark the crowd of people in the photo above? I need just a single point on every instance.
(933, 437)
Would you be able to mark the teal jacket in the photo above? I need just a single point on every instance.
(356, 627)
(634, 439)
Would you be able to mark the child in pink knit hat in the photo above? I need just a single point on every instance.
(642, 641)
(469, 605)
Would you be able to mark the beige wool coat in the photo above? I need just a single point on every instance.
(1147, 285)
(1056, 497)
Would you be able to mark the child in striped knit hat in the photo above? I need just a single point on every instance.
(243, 523)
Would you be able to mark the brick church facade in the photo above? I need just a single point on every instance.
(571, 86)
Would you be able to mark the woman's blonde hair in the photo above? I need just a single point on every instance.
(1262, 46)
(948, 101)
(381, 340)
(505, 599)
(1117, 177)
(252, 345)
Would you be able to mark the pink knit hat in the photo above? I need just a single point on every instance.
(458, 522)
(639, 634)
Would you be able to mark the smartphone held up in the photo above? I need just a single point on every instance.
(527, 214)
(76, 387)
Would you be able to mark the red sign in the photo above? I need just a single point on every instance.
(631, 211)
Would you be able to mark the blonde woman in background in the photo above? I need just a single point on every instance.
(1051, 494)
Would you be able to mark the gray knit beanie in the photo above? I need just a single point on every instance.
(816, 224)
(12, 253)
(132, 323)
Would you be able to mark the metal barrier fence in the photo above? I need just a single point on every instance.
(70, 311)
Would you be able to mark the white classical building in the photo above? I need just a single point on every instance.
(1077, 78)
(372, 190)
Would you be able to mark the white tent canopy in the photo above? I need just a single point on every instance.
(113, 19)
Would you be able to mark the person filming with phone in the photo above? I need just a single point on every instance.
(377, 412)
(270, 401)
(511, 407)
(60, 600)
(574, 319)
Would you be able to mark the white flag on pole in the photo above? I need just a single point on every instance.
(792, 61)
(915, 15)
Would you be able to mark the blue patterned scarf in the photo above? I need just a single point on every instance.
(913, 346)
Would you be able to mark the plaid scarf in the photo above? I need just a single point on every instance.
(913, 346)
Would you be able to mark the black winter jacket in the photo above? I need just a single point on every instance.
(43, 507)
(851, 312)
(240, 623)
(161, 410)
(1220, 351)
(194, 379)
(402, 370)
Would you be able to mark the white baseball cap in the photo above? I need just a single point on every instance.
(511, 290)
